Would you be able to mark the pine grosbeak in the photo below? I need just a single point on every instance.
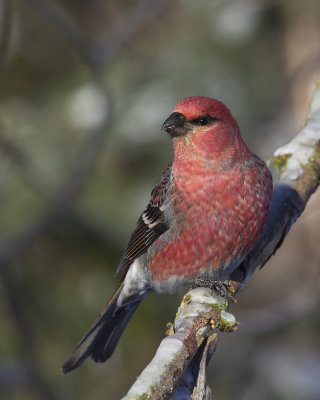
(205, 214)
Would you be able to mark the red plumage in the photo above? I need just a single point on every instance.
(205, 214)
(220, 199)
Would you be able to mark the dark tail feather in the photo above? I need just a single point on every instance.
(104, 334)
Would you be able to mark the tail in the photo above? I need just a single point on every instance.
(103, 336)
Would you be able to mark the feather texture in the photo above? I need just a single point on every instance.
(102, 338)
(151, 224)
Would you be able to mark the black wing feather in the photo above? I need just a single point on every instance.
(150, 225)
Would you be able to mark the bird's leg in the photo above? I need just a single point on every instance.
(224, 289)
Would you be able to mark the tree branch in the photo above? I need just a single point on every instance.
(101, 53)
(5, 30)
(179, 364)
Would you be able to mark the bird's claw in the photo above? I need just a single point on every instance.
(224, 289)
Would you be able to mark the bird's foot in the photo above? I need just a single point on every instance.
(224, 289)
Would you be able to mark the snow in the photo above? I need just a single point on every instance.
(155, 369)
(302, 146)
(200, 301)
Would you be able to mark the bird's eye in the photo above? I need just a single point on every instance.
(203, 120)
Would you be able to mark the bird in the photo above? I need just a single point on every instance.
(205, 214)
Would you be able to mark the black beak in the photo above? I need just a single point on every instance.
(175, 125)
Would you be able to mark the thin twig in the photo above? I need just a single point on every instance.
(101, 53)
(5, 30)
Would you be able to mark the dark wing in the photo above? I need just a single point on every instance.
(150, 225)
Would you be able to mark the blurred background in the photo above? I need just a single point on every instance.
(84, 88)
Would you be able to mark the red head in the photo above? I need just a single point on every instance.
(195, 106)
(205, 127)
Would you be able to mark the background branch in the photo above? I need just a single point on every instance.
(102, 52)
